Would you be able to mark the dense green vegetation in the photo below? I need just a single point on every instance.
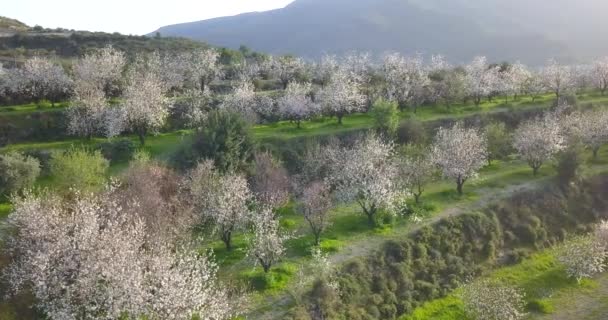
(547, 289)
(437, 258)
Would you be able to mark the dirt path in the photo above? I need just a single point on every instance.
(274, 307)
(366, 246)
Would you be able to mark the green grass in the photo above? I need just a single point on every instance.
(25, 109)
(162, 144)
(541, 277)
(448, 308)
(5, 209)
(272, 282)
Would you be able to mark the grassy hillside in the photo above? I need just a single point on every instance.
(12, 25)
(548, 292)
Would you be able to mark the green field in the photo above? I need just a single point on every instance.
(349, 235)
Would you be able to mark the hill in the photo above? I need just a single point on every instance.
(460, 29)
(11, 25)
(18, 41)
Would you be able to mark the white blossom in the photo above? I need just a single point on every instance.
(459, 153)
(482, 79)
(223, 200)
(342, 96)
(583, 257)
(267, 245)
(538, 140)
(203, 67)
(102, 69)
(242, 101)
(326, 68)
(297, 105)
(315, 204)
(601, 234)
(39, 78)
(534, 85)
(144, 102)
(365, 173)
(287, 68)
(591, 127)
(406, 78)
(415, 172)
(488, 300)
(557, 78)
(88, 259)
(600, 74)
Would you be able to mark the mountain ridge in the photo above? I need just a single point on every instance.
(458, 29)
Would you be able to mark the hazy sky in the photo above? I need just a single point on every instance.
(126, 16)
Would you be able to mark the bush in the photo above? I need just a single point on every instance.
(569, 163)
(386, 117)
(411, 131)
(121, 150)
(44, 157)
(541, 306)
(225, 138)
(438, 258)
(499, 141)
(80, 169)
(17, 171)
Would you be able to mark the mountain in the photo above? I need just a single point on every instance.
(527, 30)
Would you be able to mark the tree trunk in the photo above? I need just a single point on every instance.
(459, 184)
(317, 238)
(227, 239)
(595, 151)
(340, 116)
(535, 170)
(370, 219)
(266, 266)
(370, 213)
(298, 124)
(142, 138)
(203, 85)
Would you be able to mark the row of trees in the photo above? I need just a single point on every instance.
(110, 94)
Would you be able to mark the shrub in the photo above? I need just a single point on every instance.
(569, 163)
(541, 306)
(499, 141)
(386, 117)
(79, 169)
(223, 137)
(17, 171)
(117, 150)
(411, 131)
(44, 157)
(440, 257)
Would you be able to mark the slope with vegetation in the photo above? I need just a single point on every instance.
(274, 188)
